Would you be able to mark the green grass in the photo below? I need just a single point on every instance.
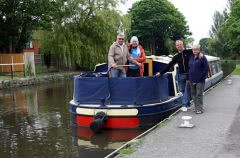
(8, 75)
(127, 151)
(41, 69)
(237, 70)
(131, 148)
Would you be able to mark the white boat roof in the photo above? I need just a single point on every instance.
(162, 59)
(212, 58)
(166, 59)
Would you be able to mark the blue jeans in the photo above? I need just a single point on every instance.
(118, 72)
(184, 88)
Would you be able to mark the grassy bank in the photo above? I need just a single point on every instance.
(237, 70)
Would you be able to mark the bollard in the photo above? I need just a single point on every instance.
(229, 81)
(186, 122)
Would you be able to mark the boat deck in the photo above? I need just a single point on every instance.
(215, 135)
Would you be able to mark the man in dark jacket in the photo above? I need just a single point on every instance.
(198, 71)
(182, 59)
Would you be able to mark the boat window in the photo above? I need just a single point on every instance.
(218, 66)
(214, 68)
(210, 69)
(209, 72)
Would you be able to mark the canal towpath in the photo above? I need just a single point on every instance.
(19, 81)
(216, 133)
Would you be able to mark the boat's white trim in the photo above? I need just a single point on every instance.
(72, 102)
(99, 64)
(169, 100)
(109, 112)
(217, 74)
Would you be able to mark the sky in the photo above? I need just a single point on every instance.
(198, 14)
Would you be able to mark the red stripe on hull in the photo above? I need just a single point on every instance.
(126, 122)
(112, 122)
(84, 121)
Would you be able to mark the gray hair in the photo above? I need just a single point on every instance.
(134, 38)
(196, 46)
(120, 35)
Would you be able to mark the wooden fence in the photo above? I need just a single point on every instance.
(11, 63)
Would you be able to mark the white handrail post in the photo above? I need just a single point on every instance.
(1, 63)
(12, 67)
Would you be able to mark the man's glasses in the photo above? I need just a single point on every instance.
(120, 38)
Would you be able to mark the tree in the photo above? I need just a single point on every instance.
(83, 33)
(189, 42)
(17, 20)
(217, 45)
(156, 22)
(218, 21)
(204, 44)
(232, 30)
(225, 40)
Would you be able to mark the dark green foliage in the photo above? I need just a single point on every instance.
(225, 32)
(18, 18)
(232, 30)
(157, 22)
(204, 45)
(218, 21)
(228, 67)
(84, 32)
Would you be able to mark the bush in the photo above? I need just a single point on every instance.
(237, 70)
(228, 67)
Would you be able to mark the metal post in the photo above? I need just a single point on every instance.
(11, 72)
(12, 68)
(24, 65)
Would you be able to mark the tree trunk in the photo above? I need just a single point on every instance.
(153, 46)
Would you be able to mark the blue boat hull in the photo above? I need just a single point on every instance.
(126, 116)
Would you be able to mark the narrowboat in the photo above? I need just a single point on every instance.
(101, 102)
(215, 73)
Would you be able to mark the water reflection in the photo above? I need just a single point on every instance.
(90, 144)
(36, 119)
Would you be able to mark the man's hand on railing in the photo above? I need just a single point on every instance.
(139, 64)
(114, 65)
(158, 74)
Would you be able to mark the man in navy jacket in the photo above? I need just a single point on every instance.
(198, 71)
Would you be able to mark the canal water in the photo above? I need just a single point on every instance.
(35, 122)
